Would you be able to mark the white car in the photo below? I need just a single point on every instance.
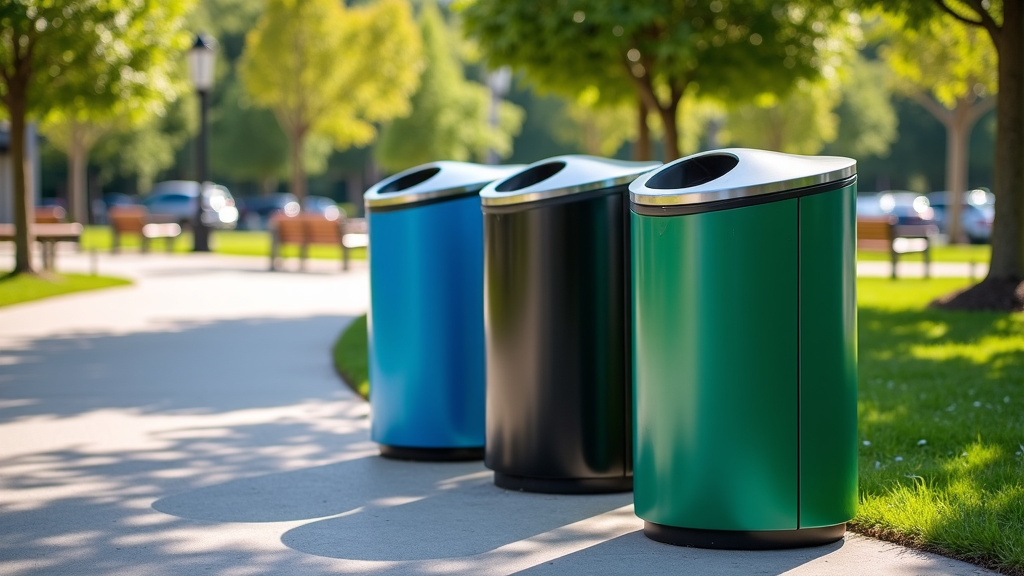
(175, 201)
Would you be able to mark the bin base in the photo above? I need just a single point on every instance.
(744, 540)
(431, 454)
(564, 485)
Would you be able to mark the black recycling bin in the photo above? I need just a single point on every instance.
(556, 323)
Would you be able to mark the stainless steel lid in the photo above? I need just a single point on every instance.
(561, 176)
(433, 181)
(735, 173)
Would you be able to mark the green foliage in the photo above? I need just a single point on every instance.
(658, 52)
(941, 422)
(86, 57)
(596, 129)
(943, 57)
(343, 70)
(145, 149)
(867, 118)
(452, 118)
(328, 70)
(246, 141)
(15, 289)
(801, 122)
(351, 357)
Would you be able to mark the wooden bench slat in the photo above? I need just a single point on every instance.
(135, 219)
(883, 234)
(305, 230)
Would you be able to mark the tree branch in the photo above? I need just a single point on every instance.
(984, 106)
(643, 86)
(984, 18)
(934, 108)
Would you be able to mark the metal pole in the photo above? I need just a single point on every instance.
(201, 233)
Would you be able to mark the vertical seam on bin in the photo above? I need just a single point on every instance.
(627, 296)
(799, 366)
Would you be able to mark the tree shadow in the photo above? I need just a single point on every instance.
(187, 367)
(942, 418)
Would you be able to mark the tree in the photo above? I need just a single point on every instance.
(728, 49)
(76, 55)
(75, 137)
(598, 130)
(328, 70)
(142, 150)
(801, 122)
(248, 143)
(452, 119)
(949, 68)
(1003, 22)
(867, 118)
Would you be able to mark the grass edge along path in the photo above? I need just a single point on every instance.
(27, 288)
(941, 422)
(351, 357)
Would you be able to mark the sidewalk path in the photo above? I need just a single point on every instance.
(192, 424)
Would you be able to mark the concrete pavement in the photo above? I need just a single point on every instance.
(192, 423)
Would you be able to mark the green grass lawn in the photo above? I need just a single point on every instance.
(351, 358)
(231, 242)
(942, 424)
(941, 421)
(25, 288)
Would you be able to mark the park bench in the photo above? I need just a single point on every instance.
(308, 229)
(133, 219)
(47, 234)
(50, 214)
(883, 234)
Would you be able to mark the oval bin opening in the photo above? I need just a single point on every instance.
(530, 177)
(409, 180)
(693, 172)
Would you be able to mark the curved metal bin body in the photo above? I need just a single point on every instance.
(556, 316)
(745, 364)
(426, 311)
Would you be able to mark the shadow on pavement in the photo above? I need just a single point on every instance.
(465, 517)
(632, 554)
(190, 367)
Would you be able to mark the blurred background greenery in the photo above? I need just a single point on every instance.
(856, 98)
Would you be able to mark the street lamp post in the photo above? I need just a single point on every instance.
(201, 59)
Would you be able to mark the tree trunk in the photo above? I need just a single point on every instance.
(957, 144)
(668, 119)
(298, 183)
(642, 149)
(24, 206)
(1008, 179)
(78, 160)
(1003, 288)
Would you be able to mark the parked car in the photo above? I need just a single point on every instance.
(175, 201)
(908, 207)
(976, 214)
(321, 205)
(254, 212)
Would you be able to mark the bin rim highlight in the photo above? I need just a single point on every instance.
(735, 173)
(434, 181)
(562, 176)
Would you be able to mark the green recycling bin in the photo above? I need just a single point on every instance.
(744, 349)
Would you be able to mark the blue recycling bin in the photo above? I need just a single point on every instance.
(426, 334)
